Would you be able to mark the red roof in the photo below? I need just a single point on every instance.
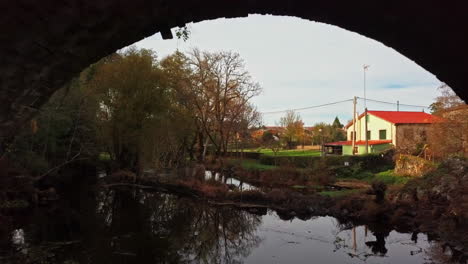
(359, 142)
(401, 117)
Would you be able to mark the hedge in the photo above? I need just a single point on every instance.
(371, 162)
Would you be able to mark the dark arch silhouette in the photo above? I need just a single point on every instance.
(45, 43)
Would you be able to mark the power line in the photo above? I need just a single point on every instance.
(384, 102)
(343, 101)
(309, 107)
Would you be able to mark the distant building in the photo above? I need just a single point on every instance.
(384, 130)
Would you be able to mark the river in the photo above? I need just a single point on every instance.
(134, 226)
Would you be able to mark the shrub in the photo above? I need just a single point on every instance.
(213, 191)
(123, 175)
(247, 196)
(277, 196)
(378, 189)
(372, 162)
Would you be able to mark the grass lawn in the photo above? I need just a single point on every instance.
(288, 152)
(253, 164)
(388, 177)
(339, 193)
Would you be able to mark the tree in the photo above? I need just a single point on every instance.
(446, 100)
(219, 91)
(293, 129)
(61, 133)
(133, 100)
(178, 75)
(271, 141)
(249, 120)
(336, 123)
(449, 135)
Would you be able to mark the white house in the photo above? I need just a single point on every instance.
(384, 130)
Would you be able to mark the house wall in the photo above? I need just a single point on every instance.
(379, 148)
(374, 124)
(347, 150)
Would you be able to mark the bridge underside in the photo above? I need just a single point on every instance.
(46, 43)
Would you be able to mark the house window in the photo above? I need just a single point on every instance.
(368, 135)
(353, 136)
(383, 134)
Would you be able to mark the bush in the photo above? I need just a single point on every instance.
(213, 191)
(277, 196)
(379, 188)
(371, 162)
(123, 176)
(34, 163)
(246, 196)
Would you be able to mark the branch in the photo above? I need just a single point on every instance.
(74, 158)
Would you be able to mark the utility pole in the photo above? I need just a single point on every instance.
(367, 138)
(398, 106)
(365, 67)
(353, 136)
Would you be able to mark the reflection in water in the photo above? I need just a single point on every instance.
(132, 226)
(159, 227)
(240, 185)
(17, 237)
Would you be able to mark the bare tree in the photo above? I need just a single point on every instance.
(449, 135)
(447, 99)
(220, 92)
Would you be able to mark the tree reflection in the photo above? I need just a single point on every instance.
(350, 244)
(143, 227)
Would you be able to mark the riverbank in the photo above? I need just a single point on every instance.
(435, 204)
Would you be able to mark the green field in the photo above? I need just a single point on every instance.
(249, 164)
(288, 153)
(388, 177)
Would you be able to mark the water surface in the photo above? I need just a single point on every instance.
(132, 226)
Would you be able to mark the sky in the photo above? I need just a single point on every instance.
(300, 63)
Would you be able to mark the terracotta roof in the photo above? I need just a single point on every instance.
(402, 117)
(274, 127)
(359, 142)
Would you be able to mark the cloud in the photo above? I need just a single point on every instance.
(300, 63)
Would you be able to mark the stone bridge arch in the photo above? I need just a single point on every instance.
(45, 43)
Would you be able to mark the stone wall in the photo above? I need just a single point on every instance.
(413, 166)
(409, 136)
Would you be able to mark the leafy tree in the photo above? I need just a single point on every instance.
(178, 74)
(183, 33)
(61, 133)
(324, 133)
(293, 129)
(337, 123)
(272, 141)
(133, 101)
